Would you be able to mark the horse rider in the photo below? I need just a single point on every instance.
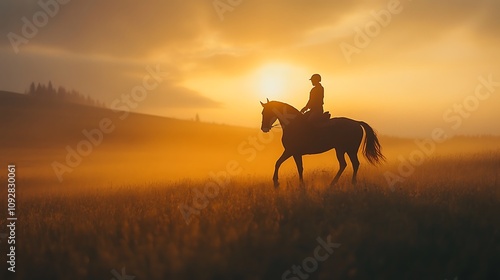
(315, 103)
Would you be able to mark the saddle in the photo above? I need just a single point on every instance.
(321, 121)
(326, 116)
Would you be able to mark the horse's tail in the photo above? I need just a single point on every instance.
(371, 146)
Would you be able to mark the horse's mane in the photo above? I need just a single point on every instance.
(290, 108)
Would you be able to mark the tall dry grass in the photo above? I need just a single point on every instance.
(441, 222)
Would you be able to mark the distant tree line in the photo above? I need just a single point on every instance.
(61, 94)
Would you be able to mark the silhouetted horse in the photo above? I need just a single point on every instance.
(301, 137)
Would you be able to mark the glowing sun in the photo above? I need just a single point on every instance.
(272, 80)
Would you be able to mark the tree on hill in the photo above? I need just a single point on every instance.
(61, 94)
(50, 88)
(32, 88)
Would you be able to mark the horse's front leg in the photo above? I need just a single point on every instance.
(282, 158)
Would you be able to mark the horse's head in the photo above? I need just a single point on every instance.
(268, 116)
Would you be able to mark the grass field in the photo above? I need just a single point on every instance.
(441, 223)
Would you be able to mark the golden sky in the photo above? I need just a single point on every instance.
(405, 67)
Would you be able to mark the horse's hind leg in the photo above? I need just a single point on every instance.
(343, 165)
(355, 165)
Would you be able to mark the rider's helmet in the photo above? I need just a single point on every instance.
(316, 77)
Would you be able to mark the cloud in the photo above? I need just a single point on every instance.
(127, 28)
(121, 28)
(172, 96)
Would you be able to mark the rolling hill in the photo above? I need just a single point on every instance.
(36, 134)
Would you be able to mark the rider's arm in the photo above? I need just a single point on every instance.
(308, 105)
(305, 108)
